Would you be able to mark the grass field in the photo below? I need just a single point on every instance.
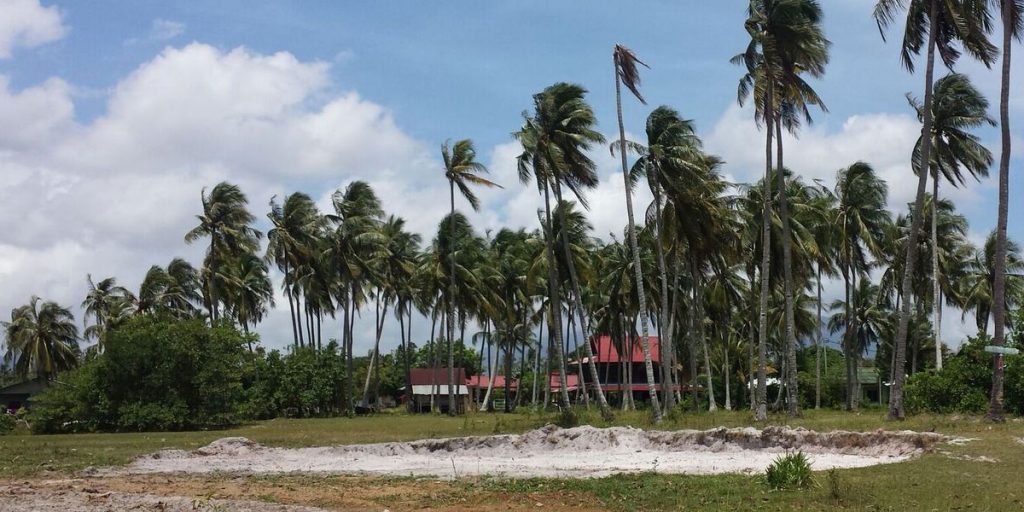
(984, 474)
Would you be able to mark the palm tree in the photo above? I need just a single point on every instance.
(292, 244)
(860, 221)
(226, 221)
(947, 23)
(979, 283)
(1012, 15)
(108, 304)
(249, 290)
(461, 169)
(555, 139)
(864, 319)
(42, 340)
(352, 250)
(786, 40)
(626, 73)
(957, 107)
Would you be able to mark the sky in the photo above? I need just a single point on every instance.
(115, 114)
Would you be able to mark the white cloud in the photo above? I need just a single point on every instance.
(28, 24)
(164, 30)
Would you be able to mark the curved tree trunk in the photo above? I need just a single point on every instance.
(995, 412)
(554, 303)
(638, 273)
(896, 408)
(789, 340)
(602, 401)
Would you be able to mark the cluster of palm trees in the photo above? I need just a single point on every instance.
(729, 277)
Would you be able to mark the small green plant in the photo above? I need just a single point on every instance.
(837, 488)
(789, 471)
(567, 419)
(7, 423)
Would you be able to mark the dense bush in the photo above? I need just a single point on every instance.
(833, 378)
(7, 423)
(964, 384)
(301, 384)
(155, 374)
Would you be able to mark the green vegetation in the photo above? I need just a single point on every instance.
(789, 472)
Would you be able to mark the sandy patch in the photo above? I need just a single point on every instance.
(78, 498)
(580, 452)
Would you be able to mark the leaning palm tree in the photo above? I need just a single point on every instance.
(948, 24)
(957, 107)
(555, 139)
(42, 340)
(292, 244)
(626, 73)
(1012, 15)
(979, 282)
(461, 169)
(250, 290)
(226, 221)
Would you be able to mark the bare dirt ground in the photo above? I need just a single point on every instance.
(581, 452)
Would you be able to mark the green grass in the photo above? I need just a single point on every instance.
(957, 480)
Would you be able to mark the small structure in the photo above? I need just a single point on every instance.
(423, 380)
(477, 385)
(19, 395)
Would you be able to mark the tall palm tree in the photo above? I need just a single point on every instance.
(226, 221)
(860, 221)
(461, 169)
(42, 340)
(352, 250)
(292, 244)
(627, 73)
(957, 107)
(979, 283)
(1012, 15)
(250, 290)
(555, 139)
(948, 24)
(786, 40)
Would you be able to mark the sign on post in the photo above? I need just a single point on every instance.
(1006, 351)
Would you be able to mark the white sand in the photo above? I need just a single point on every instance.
(579, 452)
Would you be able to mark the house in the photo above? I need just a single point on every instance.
(477, 385)
(422, 381)
(619, 374)
(16, 396)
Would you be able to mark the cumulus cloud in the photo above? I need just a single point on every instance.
(28, 24)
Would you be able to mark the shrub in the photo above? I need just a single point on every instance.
(964, 384)
(789, 471)
(7, 423)
(155, 374)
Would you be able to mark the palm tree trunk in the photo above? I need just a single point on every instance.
(761, 411)
(347, 394)
(374, 358)
(712, 406)
(789, 341)
(664, 342)
(579, 363)
(433, 355)
(817, 348)
(406, 356)
(728, 370)
(537, 356)
(995, 412)
(291, 306)
(577, 295)
(349, 356)
(554, 303)
(936, 294)
(509, 357)
(492, 370)
(896, 409)
(298, 319)
(452, 291)
(692, 337)
(638, 272)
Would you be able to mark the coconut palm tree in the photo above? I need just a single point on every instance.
(860, 221)
(979, 283)
(626, 73)
(863, 318)
(42, 340)
(942, 27)
(249, 291)
(555, 139)
(957, 107)
(461, 169)
(292, 245)
(1012, 16)
(108, 304)
(227, 222)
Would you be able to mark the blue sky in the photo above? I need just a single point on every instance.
(118, 112)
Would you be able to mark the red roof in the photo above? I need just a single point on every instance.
(482, 381)
(572, 381)
(422, 376)
(605, 351)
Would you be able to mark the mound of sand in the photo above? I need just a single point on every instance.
(554, 452)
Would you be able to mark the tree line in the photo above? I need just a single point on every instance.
(728, 275)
